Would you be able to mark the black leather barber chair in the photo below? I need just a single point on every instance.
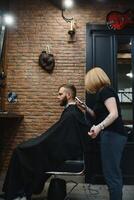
(57, 187)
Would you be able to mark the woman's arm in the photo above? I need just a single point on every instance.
(85, 108)
(90, 111)
(111, 106)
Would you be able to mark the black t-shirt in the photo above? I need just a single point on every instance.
(102, 112)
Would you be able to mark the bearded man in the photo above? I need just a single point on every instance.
(66, 139)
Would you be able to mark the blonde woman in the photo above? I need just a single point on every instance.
(109, 125)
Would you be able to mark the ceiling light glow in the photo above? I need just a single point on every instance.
(68, 4)
(8, 19)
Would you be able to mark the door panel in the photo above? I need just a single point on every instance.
(103, 48)
(99, 52)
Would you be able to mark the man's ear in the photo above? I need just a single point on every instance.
(69, 95)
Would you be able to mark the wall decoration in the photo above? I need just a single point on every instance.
(12, 97)
(117, 21)
(46, 60)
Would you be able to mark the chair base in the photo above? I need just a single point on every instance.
(57, 189)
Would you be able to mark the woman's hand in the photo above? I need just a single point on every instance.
(81, 105)
(94, 131)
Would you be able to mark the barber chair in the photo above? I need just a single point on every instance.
(57, 186)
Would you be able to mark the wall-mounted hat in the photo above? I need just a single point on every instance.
(47, 61)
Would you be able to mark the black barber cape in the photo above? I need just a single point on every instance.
(66, 139)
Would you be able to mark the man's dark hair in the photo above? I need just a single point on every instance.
(71, 87)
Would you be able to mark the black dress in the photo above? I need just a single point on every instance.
(66, 139)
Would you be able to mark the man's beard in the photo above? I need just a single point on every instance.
(64, 101)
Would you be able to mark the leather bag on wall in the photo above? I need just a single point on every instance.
(47, 61)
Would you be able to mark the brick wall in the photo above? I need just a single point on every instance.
(39, 23)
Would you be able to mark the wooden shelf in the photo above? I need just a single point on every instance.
(9, 122)
(9, 115)
(7, 118)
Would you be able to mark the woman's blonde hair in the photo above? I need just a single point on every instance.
(96, 79)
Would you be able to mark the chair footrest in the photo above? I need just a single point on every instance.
(70, 167)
